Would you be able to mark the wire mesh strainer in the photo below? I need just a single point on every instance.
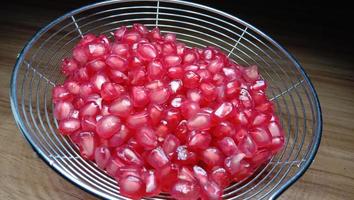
(37, 71)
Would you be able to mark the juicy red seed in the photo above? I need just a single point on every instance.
(120, 137)
(198, 140)
(117, 63)
(223, 111)
(228, 146)
(107, 126)
(146, 138)
(121, 106)
(247, 146)
(137, 120)
(200, 174)
(194, 95)
(96, 50)
(170, 144)
(177, 102)
(63, 110)
(132, 186)
(87, 39)
(131, 37)
(167, 176)
(60, 93)
(251, 73)
(220, 176)
(129, 156)
(200, 121)
(80, 55)
(172, 116)
(157, 158)
(139, 96)
(274, 129)
(119, 33)
(72, 86)
(69, 66)
(87, 144)
(232, 89)
(117, 76)
(146, 51)
(223, 129)
(69, 126)
(137, 77)
(155, 70)
(211, 190)
(98, 80)
(175, 72)
(184, 156)
(95, 65)
(185, 190)
(102, 156)
(159, 96)
(113, 165)
(215, 65)
(176, 86)
(172, 60)
(191, 80)
(120, 49)
(212, 157)
(88, 123)
(152, 183)
(89, 109)
(155, 113)
(111, 91)
(170, 37)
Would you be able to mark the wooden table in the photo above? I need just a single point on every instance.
(24, 176)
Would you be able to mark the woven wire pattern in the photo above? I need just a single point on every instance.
(38, 70)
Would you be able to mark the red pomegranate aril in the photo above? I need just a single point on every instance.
(98, 80)
(215, 65)
(131, 37)
(119, 33)
(117, 63)
(200, 121)
(170, 144)
(120, 49)
(189, 109)
(87, 144)
(168, 48)
(189, 58)
(60, 93)
(180, 47)
(139, 96)
(95, 65)
(159, 96)
(212, 157)
(208, 54)
(170, 37)
(181, 131)
(231, 74)
(176, 86)
(63, 110)
(69, 66)
(261, 157)
(172, 116)
(175, 72)
(223, 129)
(107, 126)
(129, 156)
(89, 109)
(167, 176)
(155, 113)
(185, 190)
(198, 140)
(235, 163)
(140, 29)
(117, 76)
(194, 95)
(102, 156)
(152, 184)
(247, 146)
(162, 130)
(177, 102)
(277, 144)
(137, 120)
(261, 136)
(200, 174)
(259, 85)
(220, 176)
(80, 55)
(208, 91)
(191, 80)
(113, 165)
(218, 79)
(251, 73)
(211, 191)
(186, 174)
(121, 107)
(240, 118)
(137, 76)
(146, 138)
(232, 89)
(146, 51)
(72, 86)
(185, 157)
(228, 146)
(120, 137)
(78, 102)
(265, 107)
(86, 39)
(96, 50)
(155, 70)
(111, 91)
(157, 158)
(69, 125)
(274, 129)
(88, 123)
(172, 61)
(155, 34)
(223, 111)
(132, 187)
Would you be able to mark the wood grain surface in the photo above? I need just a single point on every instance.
(24, 176)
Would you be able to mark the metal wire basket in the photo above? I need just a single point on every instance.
(37, 71)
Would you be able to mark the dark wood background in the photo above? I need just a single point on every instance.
(316, 33)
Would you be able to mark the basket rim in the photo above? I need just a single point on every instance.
(38, 34)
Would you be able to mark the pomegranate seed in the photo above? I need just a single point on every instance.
(220, 176)
(215, 65)
(119, 33)
(120, 49)
(102, 156)
(175, 72)
(168, 48)
(211, 190)
(198, 140)
(139, 96)
(228, 146)
(131, 37)
(223, 129)
(155, 70)
(159, 96)
(167, 176)
(146, 51)
(182, 131)
(247, 146)
(63, 110)
(146, 138)
(107, 126)
(69, 66)
(86, 39)
(232, 89)
(223, 111)
(96, 50)
(170, 144)
(170, 37)
(132, 186)
(72, 86)
(185, 157)
(111, 91)
(251, 73)
(191, 80)
(176, 86)
(61, 94)
(87, 144)
(194, 95)
(120, 137)
(155, 113)
(69, 125)
(98, 80)
(80, 55)
(137, 120)
(117, 63)
(201, 121)
(129, 156)
(152, 184)
(212, 157)
(172, 116)
(186, 174)
(117, 76)
(113, 165)
(121, 107)
(235, 163)
(185, 190)
(200, 174)
(89, 109)
(88, 123)
(157, 158)
(274, 129)
(177, 102)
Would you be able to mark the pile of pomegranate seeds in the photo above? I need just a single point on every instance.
(162, 117)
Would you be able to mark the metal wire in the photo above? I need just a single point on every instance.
(37, 71)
